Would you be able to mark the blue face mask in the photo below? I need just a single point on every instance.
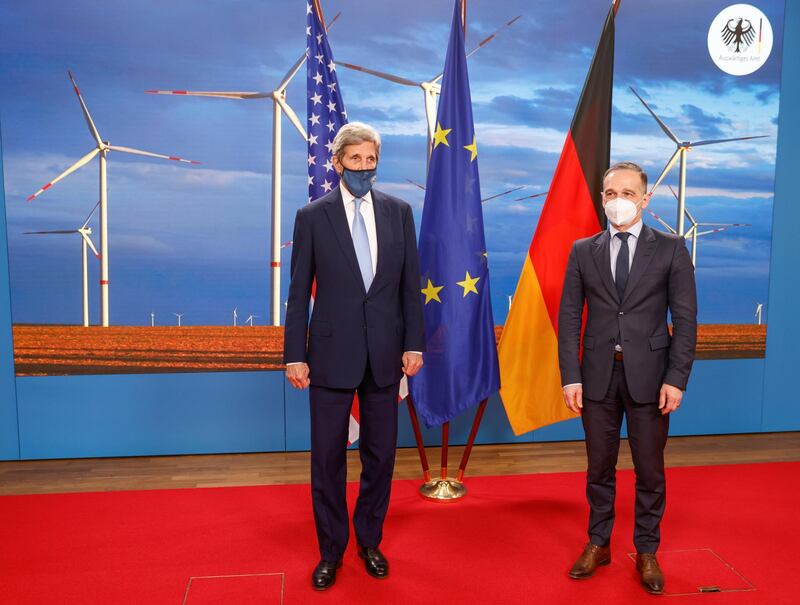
(359, 182)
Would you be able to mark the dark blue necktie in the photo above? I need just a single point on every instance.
(623, 264)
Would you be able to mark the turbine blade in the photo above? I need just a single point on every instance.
(664, 172)
(483, 201)
(491, 37)
(664, 127)
(332, 21)
(662, 222)
(218, 95)
(416, 184)
(715, 141)
(291, 73)
(528, 197)
(690, 217)
(88, 218)
(150, 154)
(86, 114)
(89, 243)
(82, 162)
(674, 194)
(379, 74)
(60, 232)
(292, 117)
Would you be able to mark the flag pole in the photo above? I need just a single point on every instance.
(445, 445)
(471, 441)
(423, 458)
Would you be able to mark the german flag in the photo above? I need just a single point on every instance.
(528, 353)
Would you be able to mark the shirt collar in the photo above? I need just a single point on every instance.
(635, 230)
(348, 197)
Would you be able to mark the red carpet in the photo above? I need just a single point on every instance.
(510, 541)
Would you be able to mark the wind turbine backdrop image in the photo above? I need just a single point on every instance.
(193, 255)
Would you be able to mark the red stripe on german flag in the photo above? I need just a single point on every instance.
(529, 374)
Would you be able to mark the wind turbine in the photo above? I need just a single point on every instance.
(510, 300)
(179, 315)
(235, 315)
(683, 148)
(86, 241)
(102, 148)
(693, 232)
(484, 200)
(250, 319)
(759, 309)
(430, 88)
(279, 107)
(152, 319)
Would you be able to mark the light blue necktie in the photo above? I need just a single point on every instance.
(361, 244)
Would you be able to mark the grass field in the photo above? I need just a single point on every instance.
(44, 350)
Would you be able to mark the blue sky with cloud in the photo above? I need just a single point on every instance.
(195, 239)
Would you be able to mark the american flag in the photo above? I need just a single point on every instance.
(326, 114)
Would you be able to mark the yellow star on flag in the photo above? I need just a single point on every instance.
(473, 149)
(431, 292)
(440, 136)
(469, 284)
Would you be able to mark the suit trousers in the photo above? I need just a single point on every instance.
(647, 436)
(330, 420)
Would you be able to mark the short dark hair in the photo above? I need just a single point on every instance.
(628, 166)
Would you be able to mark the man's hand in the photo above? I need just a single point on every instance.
(297, 373)
(669, 399)
(412, 363)
(573, 397)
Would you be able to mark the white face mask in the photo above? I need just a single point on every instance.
(621, 211)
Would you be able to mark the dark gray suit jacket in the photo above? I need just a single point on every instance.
(661, 279)
(350, 325)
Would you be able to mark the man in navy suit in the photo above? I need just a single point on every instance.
(366, 330)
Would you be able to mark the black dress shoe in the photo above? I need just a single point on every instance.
(375, 563)
(324, 574)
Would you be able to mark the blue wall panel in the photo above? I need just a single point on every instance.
(781, 409)
(9, 442)
(153, 414)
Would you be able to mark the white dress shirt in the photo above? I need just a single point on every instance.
(368, 212)
(616, 243)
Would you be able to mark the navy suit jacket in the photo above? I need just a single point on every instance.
(350, 325)
(661, 279)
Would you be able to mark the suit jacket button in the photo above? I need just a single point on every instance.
(621, 313)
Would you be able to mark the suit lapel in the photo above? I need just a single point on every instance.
(382, 232)
(338, 219)
(645, 248)
(601, 251)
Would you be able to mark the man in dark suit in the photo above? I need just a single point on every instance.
(366, 330)
(629, 277)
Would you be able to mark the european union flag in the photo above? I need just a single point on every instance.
(461, 361)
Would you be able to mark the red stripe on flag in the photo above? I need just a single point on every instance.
(568, 214)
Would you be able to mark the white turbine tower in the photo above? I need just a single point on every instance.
(683, 148)
(179, 315)
(152, 319)
(235, 315)
(430, 88)
(102, 148)
(280, 106)
(250, 319)
(759, 309)
(86, 241)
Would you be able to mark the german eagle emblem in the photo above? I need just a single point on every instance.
(739, 32)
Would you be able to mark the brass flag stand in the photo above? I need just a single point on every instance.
(444, 489)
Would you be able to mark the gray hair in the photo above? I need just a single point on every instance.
(353, 134)
(628, 166)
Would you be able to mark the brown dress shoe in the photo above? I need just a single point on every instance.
(650, 573)
(593, 557)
